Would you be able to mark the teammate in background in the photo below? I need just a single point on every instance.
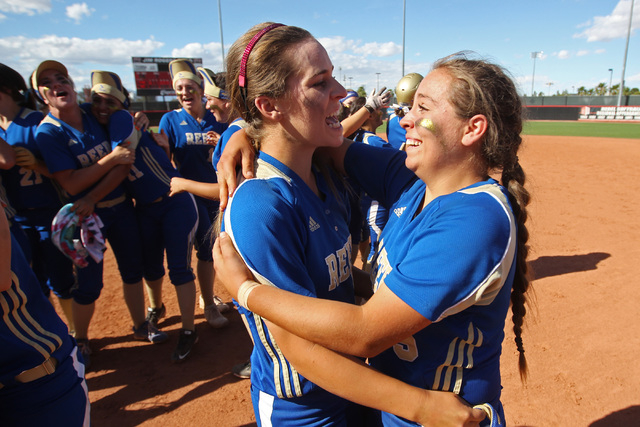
(405, 91)
(29, 188)
(166, 223)
(41, 379)
(452, 257)
(375, 216)
(88, 170)
(284, 87)
(351, 96)
(192, 132)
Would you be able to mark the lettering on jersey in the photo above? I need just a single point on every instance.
(196, 138)
(382, 267)
(399, 211)
(94, 154)
(313, 225)
(339, 265)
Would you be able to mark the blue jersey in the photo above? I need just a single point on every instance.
(304, 247)
(453, 263)
(27, 188)
(234, 127)
(396, 135)
(64, 147)
(188, 142)
(30, 329)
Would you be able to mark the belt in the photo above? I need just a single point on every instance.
(161, 198)
(111, 203)
(47, 367)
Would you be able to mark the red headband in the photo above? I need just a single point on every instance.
(242, 79)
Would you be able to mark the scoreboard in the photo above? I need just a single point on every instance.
(152, 75)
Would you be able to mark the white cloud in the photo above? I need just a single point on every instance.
(77, 11)
(29, 52)
(613, 26)
(563, 54)
(211, 54)
(338, 44)
(28, 7)
(582, 53)
(600, 51)
(634, 78)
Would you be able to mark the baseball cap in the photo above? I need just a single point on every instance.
(108, 83)
(210, 87)
(183, 69)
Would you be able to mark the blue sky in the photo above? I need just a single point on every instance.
(580, 39)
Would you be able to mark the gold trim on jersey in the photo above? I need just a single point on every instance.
(449, 375)
(155, 167)
(28, 330)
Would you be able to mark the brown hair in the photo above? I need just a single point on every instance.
(479, 87)
(269, 65)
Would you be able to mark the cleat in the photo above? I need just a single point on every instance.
(186, 341)
(148, 332)
(214, 318)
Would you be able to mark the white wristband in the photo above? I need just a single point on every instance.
(244, 291)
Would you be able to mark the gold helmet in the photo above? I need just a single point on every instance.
(407, 87)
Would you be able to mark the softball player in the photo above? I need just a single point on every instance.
(41, 379)
(452, 257)
(29, 187)
(78, 155)
(166, 223)
(187, 130)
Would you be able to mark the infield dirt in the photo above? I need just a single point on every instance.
(581, 336)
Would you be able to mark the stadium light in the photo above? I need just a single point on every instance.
(534, 55)
(224, 67)
(378, 82)
(610, 77)
(626, 49)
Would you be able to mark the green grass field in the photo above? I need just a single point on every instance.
(606, 130)
(597, 129)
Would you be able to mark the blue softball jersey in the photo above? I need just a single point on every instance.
(453, 262)
(292, 239)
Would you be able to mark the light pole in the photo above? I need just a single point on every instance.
(624, 63)
(610, 77)
(378, 81)
(534, 55)
(549, 84)
(224, 67)
(350, 78)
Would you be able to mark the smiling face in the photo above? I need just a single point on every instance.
(219, 107)
(434, 130)
(56, 90)
(103, 105)
(189, 94)
(312, 102)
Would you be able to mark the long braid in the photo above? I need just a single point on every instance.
(514, 179)
(484, 88)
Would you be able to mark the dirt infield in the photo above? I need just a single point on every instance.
(581, 340)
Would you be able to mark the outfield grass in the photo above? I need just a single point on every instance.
(598, 129)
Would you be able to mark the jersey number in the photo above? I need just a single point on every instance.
(29, 177)
(406, 349)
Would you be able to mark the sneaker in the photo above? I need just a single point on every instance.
(222, 306)
(186, 341)
(85, 351)
(214, 318)
(155, 314)
(147, 331)
(242, 370)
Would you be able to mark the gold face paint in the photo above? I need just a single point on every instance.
(427, 124)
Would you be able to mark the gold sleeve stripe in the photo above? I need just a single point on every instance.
(55, 338)
(444, 377)
(154, 165)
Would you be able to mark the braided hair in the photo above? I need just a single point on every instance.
(480, 87)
